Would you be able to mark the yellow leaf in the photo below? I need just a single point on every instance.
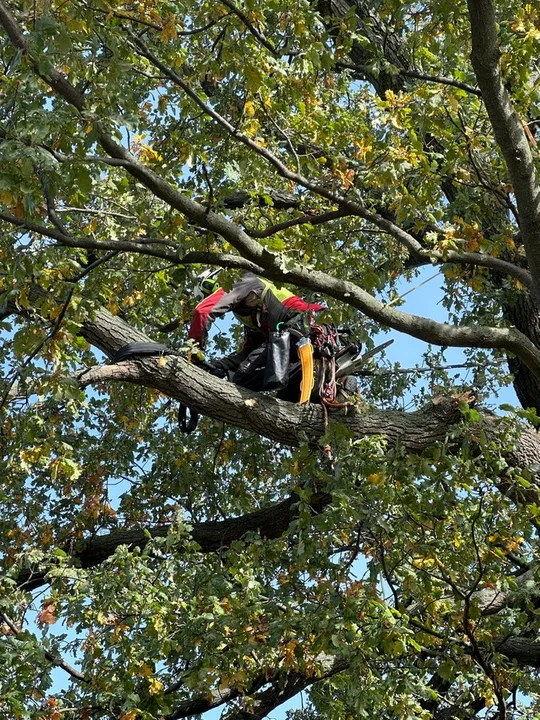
(532, 34)
(169, 30)
(56, 312)
(145, 670)
(454, 104)
(289, 652)
(249, 109)
(148, 154)
(476, 283)
(155, 686)
(375, 478)
(252, 127)
(18, 209)
(6, 197)
(473, 244)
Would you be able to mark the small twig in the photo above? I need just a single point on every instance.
(51, 210)
(285, 137)
(253, 30)
(39, 347)
(218, 449)
(400, 297)
(95, 264)
(304, 219)
(210, 188)
(456, 366)
(480, 659)
(155, 26)
(55, 660)
(474, 520)
(91, 211)
(61, 157)
(419, 76)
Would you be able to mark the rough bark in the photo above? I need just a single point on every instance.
(524, 314)
(508, 129)
(490, 601)
(383, 43)
(277, 420)
(524, 650)
(280, 200)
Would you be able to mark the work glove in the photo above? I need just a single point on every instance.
(195, 353)
(214, 367)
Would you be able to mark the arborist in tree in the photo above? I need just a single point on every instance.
(262, 308)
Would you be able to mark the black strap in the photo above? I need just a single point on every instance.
(187, 427)
(140, 349)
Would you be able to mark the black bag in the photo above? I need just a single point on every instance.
(278, 353)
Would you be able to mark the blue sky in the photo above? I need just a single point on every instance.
(426, 300)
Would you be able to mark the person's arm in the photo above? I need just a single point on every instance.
(283, 311)
(296, 303)
(212, 307)
(203, 317)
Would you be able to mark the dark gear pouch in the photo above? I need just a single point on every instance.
(278, 354)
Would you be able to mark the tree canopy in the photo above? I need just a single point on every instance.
(336, 147)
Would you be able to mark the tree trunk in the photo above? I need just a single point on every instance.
(524, 314)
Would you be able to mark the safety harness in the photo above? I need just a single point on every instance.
(318, 348)
(327, 346)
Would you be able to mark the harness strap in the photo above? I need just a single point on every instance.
(187, 427)
(260, 304)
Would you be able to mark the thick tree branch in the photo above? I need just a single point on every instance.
(508, 129)
(136, 246)
(282, 686)
(284, 422)
(232, 261)
(271, 418)
(525, 651)
(280, 200)
(270, 522)
(202, 703)
(286, 686)
(490, 601)
(428, 330)
(382, 41)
